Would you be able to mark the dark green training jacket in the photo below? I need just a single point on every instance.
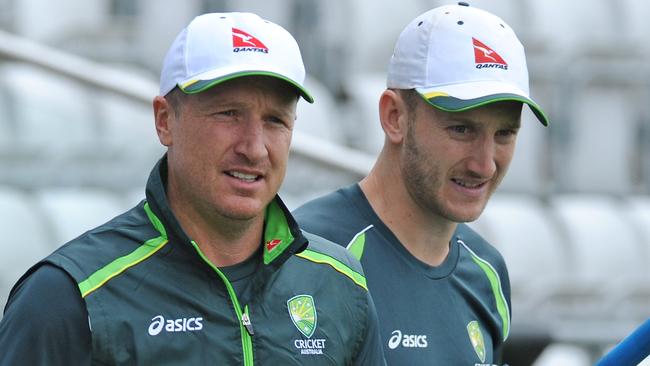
(154, 299)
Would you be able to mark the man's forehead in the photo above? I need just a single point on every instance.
(271, 86)
(505, 111)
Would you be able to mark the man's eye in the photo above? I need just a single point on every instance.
(230, 112)
(274, 119)
(459, 129)
(507, 133)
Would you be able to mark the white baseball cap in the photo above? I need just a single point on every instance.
(217, 47)
(459, 57)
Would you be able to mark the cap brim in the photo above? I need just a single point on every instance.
(195, 86)
(462, 100)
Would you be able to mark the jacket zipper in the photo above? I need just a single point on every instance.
(245, 325)
(247, 340)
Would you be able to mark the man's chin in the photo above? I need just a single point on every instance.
(465, 215)
(244, 209)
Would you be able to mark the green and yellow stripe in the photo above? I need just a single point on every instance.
(121, 264)
(317, 257)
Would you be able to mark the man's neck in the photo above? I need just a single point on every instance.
(223, 241)
(424, 235)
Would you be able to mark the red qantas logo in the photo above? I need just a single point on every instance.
(484, 56)
(242, 41)
(272, 244)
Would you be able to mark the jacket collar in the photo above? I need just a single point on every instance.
(282, 236)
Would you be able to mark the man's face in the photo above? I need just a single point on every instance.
(228, 147)
(453, 162)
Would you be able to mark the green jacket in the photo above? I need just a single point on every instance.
(154, 299)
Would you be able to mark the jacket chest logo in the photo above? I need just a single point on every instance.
(476, 337)
(159, 324)
(302, 311)
(303, 314)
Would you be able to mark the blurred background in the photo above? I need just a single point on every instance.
(572, 217)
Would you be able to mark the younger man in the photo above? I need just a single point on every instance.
(456, 84)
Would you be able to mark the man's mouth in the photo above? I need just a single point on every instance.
(243, 176)
(466, 184)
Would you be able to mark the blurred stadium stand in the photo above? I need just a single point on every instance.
(572, 217)
(25, 237)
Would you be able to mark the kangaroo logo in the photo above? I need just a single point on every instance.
(485, 55)
(245, 41)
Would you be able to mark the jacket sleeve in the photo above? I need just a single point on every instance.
(371, 352)
(45, 322)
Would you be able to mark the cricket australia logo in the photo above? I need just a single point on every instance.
(476, 337)
(302, 311)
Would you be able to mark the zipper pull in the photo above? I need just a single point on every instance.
(246, 321)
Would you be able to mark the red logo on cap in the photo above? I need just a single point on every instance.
(272, 244)
(485, 55)
(242, 41)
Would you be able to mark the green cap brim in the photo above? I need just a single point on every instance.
(202, 85)
(451, 104)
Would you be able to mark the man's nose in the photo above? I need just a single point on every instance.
(482, 158)
(250, 139)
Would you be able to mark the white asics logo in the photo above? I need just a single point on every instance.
(174, 325)
(407, 340)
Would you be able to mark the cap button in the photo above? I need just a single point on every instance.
(462, 3)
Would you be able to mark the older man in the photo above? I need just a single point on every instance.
(211, 269)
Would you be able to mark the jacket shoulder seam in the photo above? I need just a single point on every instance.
(321, 258)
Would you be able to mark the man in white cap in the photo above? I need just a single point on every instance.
(210, 269)
(457, 81)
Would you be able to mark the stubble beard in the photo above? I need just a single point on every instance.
(423, 181)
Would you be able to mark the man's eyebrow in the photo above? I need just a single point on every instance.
(515, 125)
(451, 118)
(219, 103)
(287, 115)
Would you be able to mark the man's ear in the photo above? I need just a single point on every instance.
(393, 114)
(163, 115)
